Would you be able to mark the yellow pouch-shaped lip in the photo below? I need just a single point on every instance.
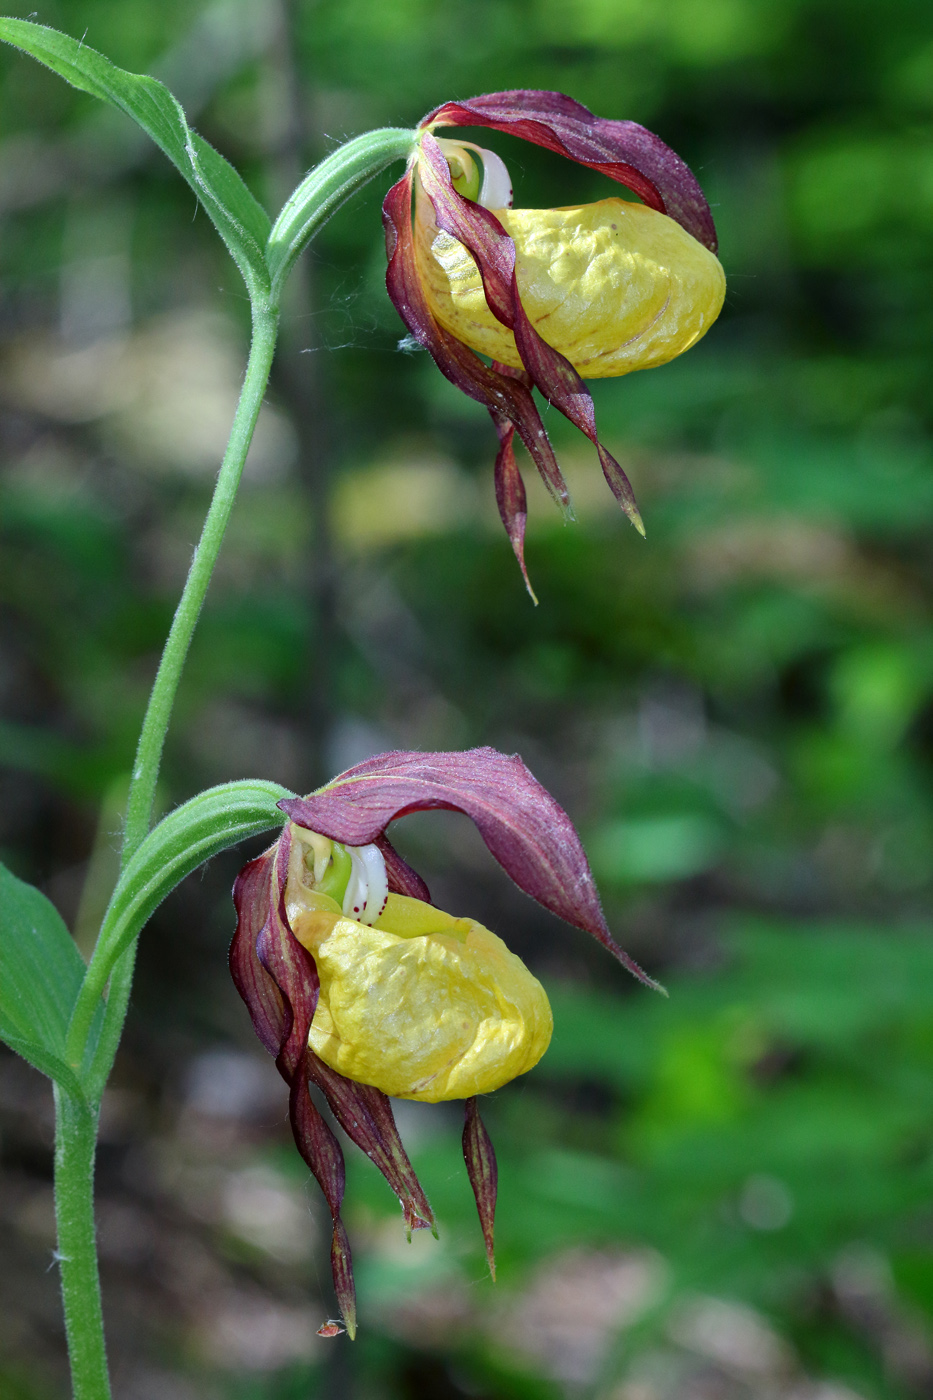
(614, 286)
(422, 1005)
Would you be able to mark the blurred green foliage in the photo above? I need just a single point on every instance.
(737, 712)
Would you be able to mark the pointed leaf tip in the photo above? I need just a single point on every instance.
(41, 972)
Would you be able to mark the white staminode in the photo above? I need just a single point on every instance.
(496, 189)
(368, 886)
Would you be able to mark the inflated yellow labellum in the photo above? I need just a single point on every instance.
(614, 286)
(422, 1005)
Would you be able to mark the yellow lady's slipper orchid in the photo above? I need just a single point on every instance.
(551, 296)
(356, 983)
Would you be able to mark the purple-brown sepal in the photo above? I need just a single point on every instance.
(480, 1158)
(529, 833)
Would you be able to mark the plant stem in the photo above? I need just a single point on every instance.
(159, 711)
(75, 1140)
(76, 1120)
(161, 700)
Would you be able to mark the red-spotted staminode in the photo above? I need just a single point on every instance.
(356, 983)
(549, 295)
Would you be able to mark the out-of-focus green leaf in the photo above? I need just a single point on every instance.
(239, 219)
(40, 973)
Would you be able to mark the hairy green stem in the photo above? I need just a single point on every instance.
(159, 711)
(76, 1123)
(75, 1141)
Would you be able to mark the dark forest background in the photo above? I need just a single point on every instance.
(723, 1196)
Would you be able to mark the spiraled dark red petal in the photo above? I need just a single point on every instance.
(289, 964)
(365, 1114)
(481, 1168)
(321, 1151)
(271, 1015)
(529, 834)
(510, 489)
(623, 150)
(499, 393)
(493, 250)
(278, 980)
(562, 386)
(402, 879)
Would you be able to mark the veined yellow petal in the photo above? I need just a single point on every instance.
(614, 286)
(422, 1005)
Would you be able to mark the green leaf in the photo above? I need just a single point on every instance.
(41, 972)
(199, 829)
(239, 219)
(325, 188)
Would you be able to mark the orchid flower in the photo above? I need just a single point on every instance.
(358, 984)
(550, 296)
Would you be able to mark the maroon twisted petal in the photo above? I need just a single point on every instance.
(321, 1151)
(484, 1175)
(500, 393)
(270, 1012)
(510, 488)
(365, 1114)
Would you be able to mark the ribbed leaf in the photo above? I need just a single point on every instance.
(41, 971)
(199, 829)
(239, 219)
(325, 188)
